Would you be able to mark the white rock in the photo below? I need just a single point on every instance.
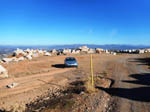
(20, 59)
(7, 60)
(3, 72)
(141, 51)
(47, 54)
(114, 53)
(75, 51)
(13, 85)
(84, 48)
(66, 51)
(40, 52)
(19, 51)
(29, 57)
(54, 51)
(99, 50)
(107, 52)
(14, 59)
(90, 51)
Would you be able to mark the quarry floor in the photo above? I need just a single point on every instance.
(130, 73)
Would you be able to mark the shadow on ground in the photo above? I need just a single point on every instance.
(59, 66)
(142, 79)
(142, 61)
(138, 94)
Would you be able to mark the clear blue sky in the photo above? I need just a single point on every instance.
(50, 22)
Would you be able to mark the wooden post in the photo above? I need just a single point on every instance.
(92, 77)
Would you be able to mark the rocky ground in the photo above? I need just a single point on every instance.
(46, 85)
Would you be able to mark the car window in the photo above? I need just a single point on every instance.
(70, 59)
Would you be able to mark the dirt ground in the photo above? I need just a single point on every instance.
(129, 93)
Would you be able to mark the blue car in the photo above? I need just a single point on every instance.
(71, 62)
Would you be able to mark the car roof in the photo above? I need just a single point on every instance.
(70, 58)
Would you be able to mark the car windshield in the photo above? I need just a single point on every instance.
(70, 59)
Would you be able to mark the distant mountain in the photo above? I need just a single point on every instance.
(8, 49)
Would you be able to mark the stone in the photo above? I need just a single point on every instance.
(29, 57)
(141, 51)
(7, 60)
(20, 59)
(3, 72)
(66, 51)
(47, 54)
(99, 50)
(13, 85)
(19, 51)
(54, 51)
(91, 51)
(84, 48)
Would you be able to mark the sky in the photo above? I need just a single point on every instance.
(58, 22)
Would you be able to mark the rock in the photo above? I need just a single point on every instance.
(7, 60)
(14, 59)
(40, 52)
(20, 59)
(19, 51)
(91, 51)
(82, 92)
(35, 55)
(47, 54)
(107, 52)
(29, 57)
(75, 51)
(113, 53)
(13, 85)
(84, 48)
(54, 51)
(99, 50)
(141, 51)
(3, 72)
(66, 51)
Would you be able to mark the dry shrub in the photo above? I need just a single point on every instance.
(18, 107)
(88, 86)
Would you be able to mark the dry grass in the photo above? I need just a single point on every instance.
(18, 108)
(88, 86)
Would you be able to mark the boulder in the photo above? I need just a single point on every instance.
(84, 48)
(99, 50)
(15, 59)
(91, 51)
(75, 51)
(29, 57)
(19, 51)
(3, 72)
(148, 50)
(7, 60)
(20, 59)
(107, 52)
(40, 52)
(54, 51)
(13, 85)
(141, 51)
(1, 61)
(66, 51)
(114, 53)
(47, 54)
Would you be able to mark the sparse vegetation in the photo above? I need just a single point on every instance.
(88, 86)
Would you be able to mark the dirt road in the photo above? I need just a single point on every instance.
(131, 90)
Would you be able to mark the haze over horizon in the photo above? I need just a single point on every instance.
(59, 22)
